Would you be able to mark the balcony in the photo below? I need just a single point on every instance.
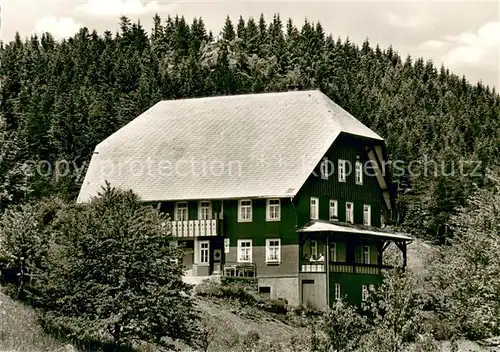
(195, 228)
(343, 267)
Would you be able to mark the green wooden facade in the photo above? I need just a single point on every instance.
(289, 276)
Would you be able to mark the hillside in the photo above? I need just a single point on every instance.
(234, 326)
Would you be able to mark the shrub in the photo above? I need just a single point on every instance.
(111, 275)
(340, 329)
(231, 291)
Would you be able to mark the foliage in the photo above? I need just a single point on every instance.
(394, 311)
(237, 291)
(23, 246)
(108, 272)
(341, 329)
(466, 273)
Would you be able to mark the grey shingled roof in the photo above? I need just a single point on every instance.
(259, 145)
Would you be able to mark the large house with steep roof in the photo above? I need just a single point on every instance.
(286, 188)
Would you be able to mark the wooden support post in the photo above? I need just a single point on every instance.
(327, 269)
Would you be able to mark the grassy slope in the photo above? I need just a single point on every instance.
(19, 330)
(232, 325)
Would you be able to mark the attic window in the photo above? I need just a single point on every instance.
(342, 171)
(324, 169)
(359, 173)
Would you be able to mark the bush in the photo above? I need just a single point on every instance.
(340, 329)
(110, 275)
(236, 291)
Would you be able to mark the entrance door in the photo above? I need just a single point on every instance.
(309, 294)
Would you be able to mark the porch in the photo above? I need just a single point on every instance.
(346, 248)
(340, 261)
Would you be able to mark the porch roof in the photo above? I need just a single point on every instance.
(325, 226)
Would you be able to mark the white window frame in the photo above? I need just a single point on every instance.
(314, 249)
(342, 170)
(359, 173)
(249, 211)
(227, 247)
(366, 254)
(273, 253)
(323, 169)
(177, 213)
(367, 215)
(337, 292)
(248, 256)
(205, 250)
(314, 215)
(364, 293)
(271, 213)
(204, 209)
(349, 219)
(334, 205)
(333, 250)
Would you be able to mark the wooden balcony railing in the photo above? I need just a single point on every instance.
(343, 267)
(195, 228)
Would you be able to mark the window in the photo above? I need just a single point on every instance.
(204, 210)
(181, 211)
(226, 245)
(366, 254)
(314, 249)
(337, 292)
(359, 173)
(334, 213)
(265, 291)
(273, 251)
(342, 165)
(244, 251)
(367, 216)
(324, 170)
(245, 211)
(204, 251)
(314, 208)
(349, 212)
(273, 212)
(364, 293)
(333, 252)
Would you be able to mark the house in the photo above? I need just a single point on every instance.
(288, 188)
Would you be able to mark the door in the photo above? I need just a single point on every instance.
(309, 294)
